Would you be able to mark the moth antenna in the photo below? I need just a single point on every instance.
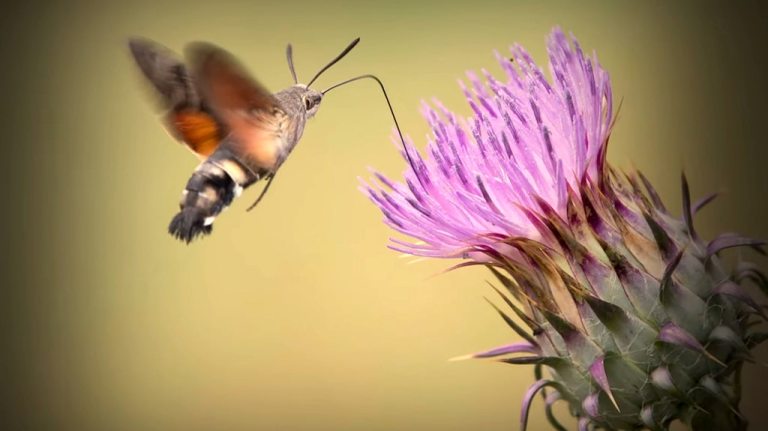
(335, 60)
(389, 104)
(263, 192)
(289, 55)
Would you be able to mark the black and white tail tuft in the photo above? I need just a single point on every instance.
(188, 224)
(209, 190)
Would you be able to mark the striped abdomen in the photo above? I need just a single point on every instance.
(210, 189)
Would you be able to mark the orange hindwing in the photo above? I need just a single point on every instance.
(198, 130)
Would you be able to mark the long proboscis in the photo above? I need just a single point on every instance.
(335, 60)
(389, 104)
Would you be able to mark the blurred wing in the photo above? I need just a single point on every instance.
(251, 114)
(166, 73)
(186, 115)
(198, 129)
(224, 82)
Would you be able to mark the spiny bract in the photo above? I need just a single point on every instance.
(635, 316)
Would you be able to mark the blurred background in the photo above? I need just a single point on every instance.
(296, 316)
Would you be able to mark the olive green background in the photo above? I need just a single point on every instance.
(295, 316)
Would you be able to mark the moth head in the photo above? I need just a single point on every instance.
(310, 100)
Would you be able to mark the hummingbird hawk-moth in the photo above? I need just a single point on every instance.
(240, 131)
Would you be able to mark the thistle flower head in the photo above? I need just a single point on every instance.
(634, 315)
(529, 141)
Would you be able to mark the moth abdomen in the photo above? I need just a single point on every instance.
(188, 224)
(211, 188)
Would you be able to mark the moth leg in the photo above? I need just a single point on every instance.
(263, 192)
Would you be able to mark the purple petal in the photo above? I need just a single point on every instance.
(597, 371)
(701, 203)
(528, 137)
(673, 334)
(730, 240)
(591, 405)
(528, 399)
(520, 347)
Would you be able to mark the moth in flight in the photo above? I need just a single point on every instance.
(240, 131)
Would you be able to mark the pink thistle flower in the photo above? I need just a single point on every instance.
(635, 317)
(529, 140)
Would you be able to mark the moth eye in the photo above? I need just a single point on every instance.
(307, 103)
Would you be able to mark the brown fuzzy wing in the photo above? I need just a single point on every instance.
(187, 117)
(250, 113)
